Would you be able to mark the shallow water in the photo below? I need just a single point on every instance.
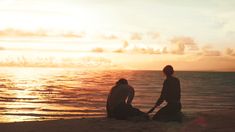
(55, 93)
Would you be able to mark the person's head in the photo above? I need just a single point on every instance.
(122, 81)
(168, 70)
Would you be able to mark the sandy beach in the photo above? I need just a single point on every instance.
(212, 121)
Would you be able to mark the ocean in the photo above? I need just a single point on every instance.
(32, 94)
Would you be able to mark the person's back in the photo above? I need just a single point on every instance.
(172, 86)
(119, 102)
(119, 95)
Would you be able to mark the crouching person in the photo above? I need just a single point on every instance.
(119, 102)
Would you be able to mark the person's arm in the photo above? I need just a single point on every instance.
(160, 99)
(107, 102)
(130, 95)
(162, 96)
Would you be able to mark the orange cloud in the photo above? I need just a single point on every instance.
(180, 44)
(56, 61)
(9, 32)
(1, 48)
(99, 60)
(109, 37)
(98, 50)
(136, 36)
(164, 50)
(183, 40)
(211, 53)
(125, 44)
(178, 48)
(119, 51)
(73, 35)
(230, 52)
(122, 49)
(208, 51)
(136, 49)
(154, 35)
(146, 50)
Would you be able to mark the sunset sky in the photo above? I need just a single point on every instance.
(118, 34)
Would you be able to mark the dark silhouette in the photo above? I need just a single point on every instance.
(171, 94)
(119, 101)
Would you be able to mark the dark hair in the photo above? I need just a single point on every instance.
(122, 81)
(168, 70)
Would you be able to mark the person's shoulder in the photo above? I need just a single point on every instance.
(113, 88)
(129, 86)
(172, 78)
(123, 86)
(175, 79)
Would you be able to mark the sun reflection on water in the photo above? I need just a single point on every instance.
(29, 94)
(21, 93)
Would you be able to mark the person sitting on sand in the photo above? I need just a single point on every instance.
(119, 101)
(171, 94)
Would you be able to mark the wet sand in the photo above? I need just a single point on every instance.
(212, 121)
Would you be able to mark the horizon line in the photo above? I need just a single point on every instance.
(114, 69)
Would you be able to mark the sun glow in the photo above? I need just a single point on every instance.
(116, 34)
(47, 15)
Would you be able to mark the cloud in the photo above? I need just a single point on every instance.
(97, 50)
(164, 50)
(178, 48)
(123, 48)
(209, 51)
(73, 35)
(109, 37)
(136, 36)
(146, 50)
(180, 44)
(139, 50)
(183, 40)
(2, 48)
(11, 32)
(154, 35)
(125, 44)
(39, 60)
(230, 52)
(136, 49)
(119, 51)
(20, 33)
(99, 60)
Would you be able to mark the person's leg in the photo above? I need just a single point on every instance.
(134, 112)
(177, 114)
(109, 111)
(121, 112)
(161, 115)
(124, 111)
(171, 112)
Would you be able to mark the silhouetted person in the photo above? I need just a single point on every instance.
(171, 94)
(119, 101)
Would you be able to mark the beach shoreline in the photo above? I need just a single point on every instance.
(203, 121)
